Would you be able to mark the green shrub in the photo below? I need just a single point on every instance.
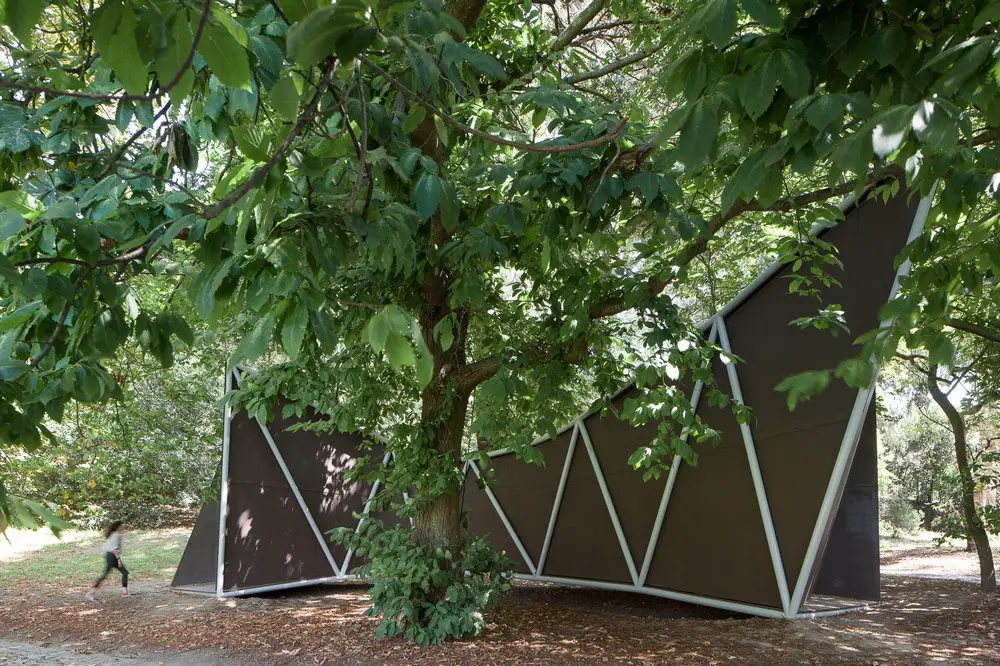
(898, 515)
(427, 594)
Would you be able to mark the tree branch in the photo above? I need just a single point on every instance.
(683, 257)
(307, 117)
(206, 10)
(483, 369)
(578, 24)
(969, 327)
(527, 147)
(61, 324)
(616, 65)
(128, 144)
(160, 179)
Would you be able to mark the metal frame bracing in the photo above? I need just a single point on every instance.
(792, 601)
(338, 571)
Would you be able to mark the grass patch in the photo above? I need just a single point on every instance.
(77, 560)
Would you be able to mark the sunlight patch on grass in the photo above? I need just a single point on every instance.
(76, 560)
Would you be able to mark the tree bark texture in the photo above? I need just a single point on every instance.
(445, 402)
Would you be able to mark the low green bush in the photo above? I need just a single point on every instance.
(427, 594)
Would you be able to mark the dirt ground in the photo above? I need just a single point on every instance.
(920, 621)
(930, 614)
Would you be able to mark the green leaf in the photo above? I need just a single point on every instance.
(425, 370)
(647, 183)
(225, 57)
(293, 331)
(697, 140)
(253, 140)
(940, 350)
(170, 61)
(11, 223)
(22, 16)
(207, 283)
(892, 128)
(856, 373)
(175, 228)
(414, 118)
(764, 12)
(11, 321)
(744, 182)
(377, 330)
(315, 37)
(9, 272)
(756, 89)
(88, 240)
(285, 98)
(427, 194)
(105, 22)
(256, 342)
(934, 125)
(296, 10)
(324, 327)
(18, 200)
(720, 21)
(793, 73)
(351, 45)
(823, 110)
(122, 54)
(481, 62)
(445, 333)
(989, 14)
(803, 386)
(399, 351)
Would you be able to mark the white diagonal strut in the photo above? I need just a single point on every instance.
(626, 551)
(506, 522)
(758, 481)
(557, 502)
(299, 499)
(345, 567)
(224, 489)
(668, 489)
(853, 431)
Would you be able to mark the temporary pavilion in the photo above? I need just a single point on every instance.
(779, 519)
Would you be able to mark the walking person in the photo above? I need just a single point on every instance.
(112, 559)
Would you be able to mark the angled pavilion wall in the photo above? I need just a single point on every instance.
(746, 529)
(282, 491)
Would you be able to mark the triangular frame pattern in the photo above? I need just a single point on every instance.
(792, 599)
(339, 571)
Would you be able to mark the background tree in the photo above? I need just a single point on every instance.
(430, 206)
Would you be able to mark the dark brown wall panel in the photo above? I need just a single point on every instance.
(635, 500)
(796, 449)
(796, 473)
(484, 521)
(712, 542)
(849, 562)
(772, 349)
(584, 542)
(200, 561)
(528, 491)
(268, 540)
(318, 462)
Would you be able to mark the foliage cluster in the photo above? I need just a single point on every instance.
(427, 593)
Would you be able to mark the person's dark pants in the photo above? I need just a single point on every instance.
(111, 562)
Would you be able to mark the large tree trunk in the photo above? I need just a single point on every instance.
(444, 406)
(973, 524)
(439, 522)
(445, 403)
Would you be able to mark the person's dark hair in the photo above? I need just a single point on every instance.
(112, 527)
